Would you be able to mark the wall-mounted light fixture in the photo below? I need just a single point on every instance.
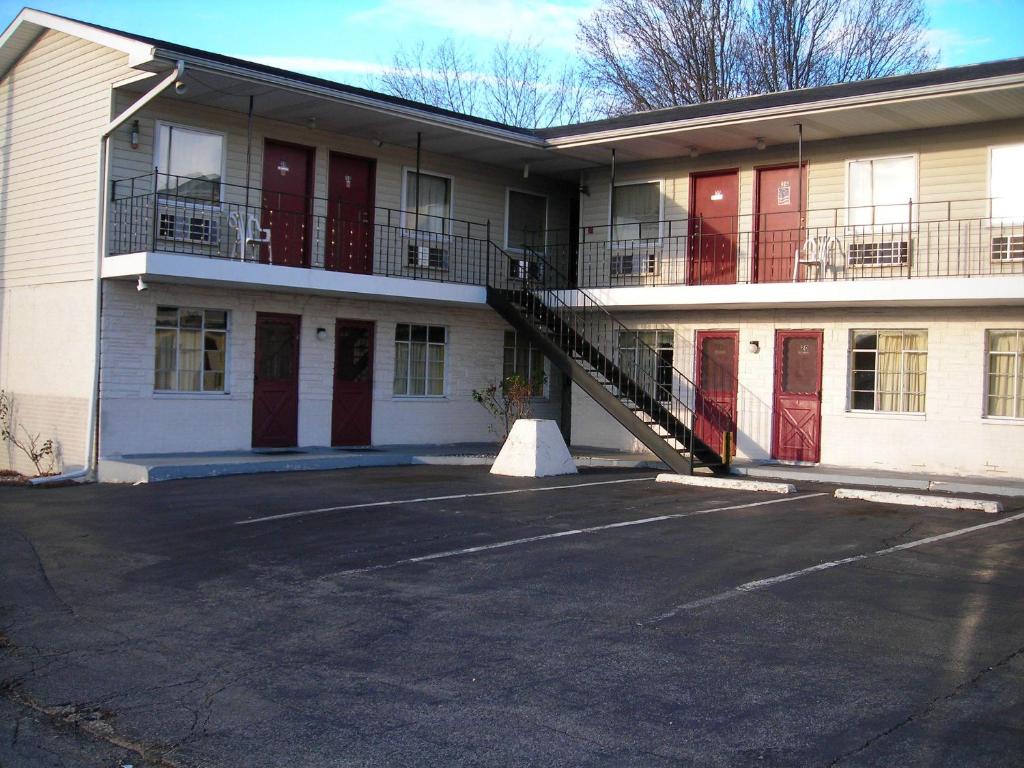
(693, 151)
(311, 122)
(526, 170)
(755, 347)
(584, 190)
(759, 143)
(321, 334)
(181, 87)
(133, 137)
(378, 143)
(141, 285)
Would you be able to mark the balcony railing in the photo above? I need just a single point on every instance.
(199, 217)
(945, 239)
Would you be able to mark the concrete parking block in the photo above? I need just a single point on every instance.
(920, 500)
(704, 481)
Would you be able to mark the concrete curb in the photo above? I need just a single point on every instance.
(920, 500)
(724, 482)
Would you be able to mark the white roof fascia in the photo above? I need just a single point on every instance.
(793, 111)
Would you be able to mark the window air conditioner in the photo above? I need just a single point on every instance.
(624, 264)
(194, 227)
(428, 256)
(1008, 247)
(882, 254)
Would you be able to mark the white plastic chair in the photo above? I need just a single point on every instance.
(249, 234)
(818, 251)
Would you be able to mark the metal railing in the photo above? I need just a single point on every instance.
(647, 381)
(160, 212)
(942, 239)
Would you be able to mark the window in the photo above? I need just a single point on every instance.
(524, 360)
(1007, 169)
(527, 219)
(636, 211)
(192, 161)
(646, 357)
(1005, 369)
(433, 203)
(191, 349)
(880, 190)
(419, 360)
(888, 370)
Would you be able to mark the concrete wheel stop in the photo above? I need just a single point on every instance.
(534, 448)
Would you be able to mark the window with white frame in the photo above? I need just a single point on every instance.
(429, 196)
(523, 359)
(647, 358)
(420, 352)
(526, 220)
(888, 370)
(190, 162)
(1005, 188)
(191, 350)
(1004, 388)
(880, 190)
(636, 211)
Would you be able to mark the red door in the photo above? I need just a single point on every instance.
(778, 229)
(275, 398)
(350, 214)
(796, 415)
(717, 366)
(287, 189)
(714, 208)
(351, 415)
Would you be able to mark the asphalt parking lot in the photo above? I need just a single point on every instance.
(355, 618)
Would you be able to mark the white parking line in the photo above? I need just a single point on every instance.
(753, 586)
(321, 510)
(563, 534)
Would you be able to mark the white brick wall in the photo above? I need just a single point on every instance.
(135, 420)
(951, 437)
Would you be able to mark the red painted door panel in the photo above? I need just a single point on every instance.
(275, 400)
(796, 420)
(287, 189)
(350, 214)
(352, 411)
(778, 227)
(715, 402)
(714, 208)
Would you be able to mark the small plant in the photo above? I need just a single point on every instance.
(41, 455)
(508, 401)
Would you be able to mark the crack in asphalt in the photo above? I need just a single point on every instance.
(928, 708)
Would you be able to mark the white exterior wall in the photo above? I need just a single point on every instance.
(56, 99)
(951, 437)
(137, 420)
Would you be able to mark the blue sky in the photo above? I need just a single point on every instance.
(352, 40)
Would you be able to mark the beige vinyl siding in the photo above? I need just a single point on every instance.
(478, 190)
(55, 103)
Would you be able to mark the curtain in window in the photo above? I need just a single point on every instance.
(433, 202)
(192, 160)
(915, 365)
(1005, 186)
(637, 208)
(880, 190)
(1003, 380)
(213, 362)
(417, 368)
(890, 350)
(165, 355)
(401, 369)
(435, 369)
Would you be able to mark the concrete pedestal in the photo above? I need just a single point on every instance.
(534, 448)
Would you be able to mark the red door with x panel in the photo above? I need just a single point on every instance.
(796, 415)
(275, 397)
(352, 411)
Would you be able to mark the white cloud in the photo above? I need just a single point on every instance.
(953, 46)
(549, 23)
(322, 65)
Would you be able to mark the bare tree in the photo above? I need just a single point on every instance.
(647, 54)
(517, 86)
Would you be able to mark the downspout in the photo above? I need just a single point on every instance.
(92, 433)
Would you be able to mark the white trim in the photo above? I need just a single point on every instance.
(1018, 395)
(192, 393)
(157, 124)
(508, 198)
(406, 170)
(426, 361)
(850, 351)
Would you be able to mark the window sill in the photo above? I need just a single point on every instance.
(420, 398)
(1002, 421)
(168, 395)
(893, 415)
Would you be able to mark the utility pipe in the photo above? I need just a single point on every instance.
(92, 433)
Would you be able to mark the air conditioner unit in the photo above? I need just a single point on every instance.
(624, 264)
(427, 256)
(524, 269)
(1008, 248)
(887, 253)
(195, 227)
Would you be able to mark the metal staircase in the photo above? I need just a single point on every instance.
(627, 377)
